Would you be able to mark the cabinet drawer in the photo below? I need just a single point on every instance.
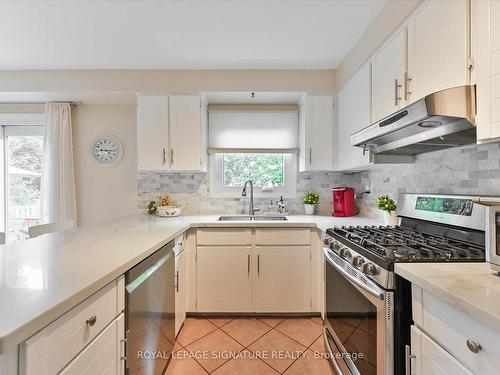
(103, 355)
(50, 350)
(451, 328)
(224, 236)
(283, 236)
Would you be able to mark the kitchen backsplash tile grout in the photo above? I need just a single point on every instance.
(473, 169)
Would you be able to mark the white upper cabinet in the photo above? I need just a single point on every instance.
(171, 133)
(488, 69)
(439, 47)
(316, 133)
(152, 132)
(389, 68)
(354, 111)
(185, 133)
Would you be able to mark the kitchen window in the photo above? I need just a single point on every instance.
(258, 143)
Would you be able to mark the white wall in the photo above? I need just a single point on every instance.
(104, 193)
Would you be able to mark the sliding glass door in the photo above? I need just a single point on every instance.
(22, 167)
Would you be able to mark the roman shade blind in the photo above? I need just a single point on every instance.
(253, 129)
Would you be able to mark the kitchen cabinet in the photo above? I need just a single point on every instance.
(282, 282)
(455, 333)
(103, 355)
(389, 70)
(80, 334)
(259, 270)
(430, 358)
(180, 290)
(152, 132)
(317, 123)
(223, 278)
(171, 133)
(354, 112)
(488, 69)
(439, 48)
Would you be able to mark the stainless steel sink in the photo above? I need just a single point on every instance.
(252, 218)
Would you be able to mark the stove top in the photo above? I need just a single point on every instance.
(398, 244)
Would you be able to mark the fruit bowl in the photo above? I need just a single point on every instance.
(168, 211)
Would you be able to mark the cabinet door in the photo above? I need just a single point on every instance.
(388, 74)
(439, 47)
(282, 279)
(103, 355)
(152, 132)
(432, 359)
(223, 279)
(317, 130)
(185, 133)
(180, 290)
(354, 109)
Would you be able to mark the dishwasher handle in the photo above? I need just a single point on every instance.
(134, 284)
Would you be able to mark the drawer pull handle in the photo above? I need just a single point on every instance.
(91, 321)
(474, 347)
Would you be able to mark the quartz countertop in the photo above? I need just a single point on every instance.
(44, 277)
(473, 288)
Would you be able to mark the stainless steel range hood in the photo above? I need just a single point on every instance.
(440, 120)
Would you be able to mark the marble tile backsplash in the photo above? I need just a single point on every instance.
(191, 191)
(471, 169)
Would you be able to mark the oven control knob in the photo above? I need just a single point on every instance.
(345, 253)
(327, 241)
(336, 245)
(369, 269)
(358, 261)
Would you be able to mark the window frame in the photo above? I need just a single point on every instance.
(218, 190)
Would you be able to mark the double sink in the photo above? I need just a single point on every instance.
(252, 218)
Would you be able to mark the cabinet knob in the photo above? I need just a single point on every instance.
(91, 321)
(473, 346)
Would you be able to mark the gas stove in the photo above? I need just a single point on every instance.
(433, 228)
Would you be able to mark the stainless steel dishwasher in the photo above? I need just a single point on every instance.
(150, 312)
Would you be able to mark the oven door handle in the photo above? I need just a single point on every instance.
(374, 292)
(330, 352)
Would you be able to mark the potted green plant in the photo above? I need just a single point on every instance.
(310, 201)
(387, 204)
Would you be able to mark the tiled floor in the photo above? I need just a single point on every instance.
(250, 346)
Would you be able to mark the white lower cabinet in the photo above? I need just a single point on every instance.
(103, 355)
(223, 279)
(430, 358)
(180, 290)
(283, 279)
(85, 340)
(270, 273)
(466, 340)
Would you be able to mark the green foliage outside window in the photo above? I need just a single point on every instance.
(262, 169)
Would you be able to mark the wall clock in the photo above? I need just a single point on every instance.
(106, 150)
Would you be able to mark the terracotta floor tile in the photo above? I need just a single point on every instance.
(194, 329)
(220, 321)
(301, 330)
(309, 364)
(272, 321)
(277, 350)
(246, 330)
(183, 364)
(319, 345)
(317, 320)
(245, 364)
(214, 350)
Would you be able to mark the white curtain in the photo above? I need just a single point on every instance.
(58, 180)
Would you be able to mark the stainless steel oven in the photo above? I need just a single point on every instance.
(359, 327)
(492, 230)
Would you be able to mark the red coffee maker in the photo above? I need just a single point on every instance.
(343, 201)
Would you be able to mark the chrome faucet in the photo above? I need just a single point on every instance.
(251, 209)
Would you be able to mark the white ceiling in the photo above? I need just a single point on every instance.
(190, 34)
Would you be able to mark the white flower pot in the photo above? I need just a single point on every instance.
(309, 208)
(390, 218)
